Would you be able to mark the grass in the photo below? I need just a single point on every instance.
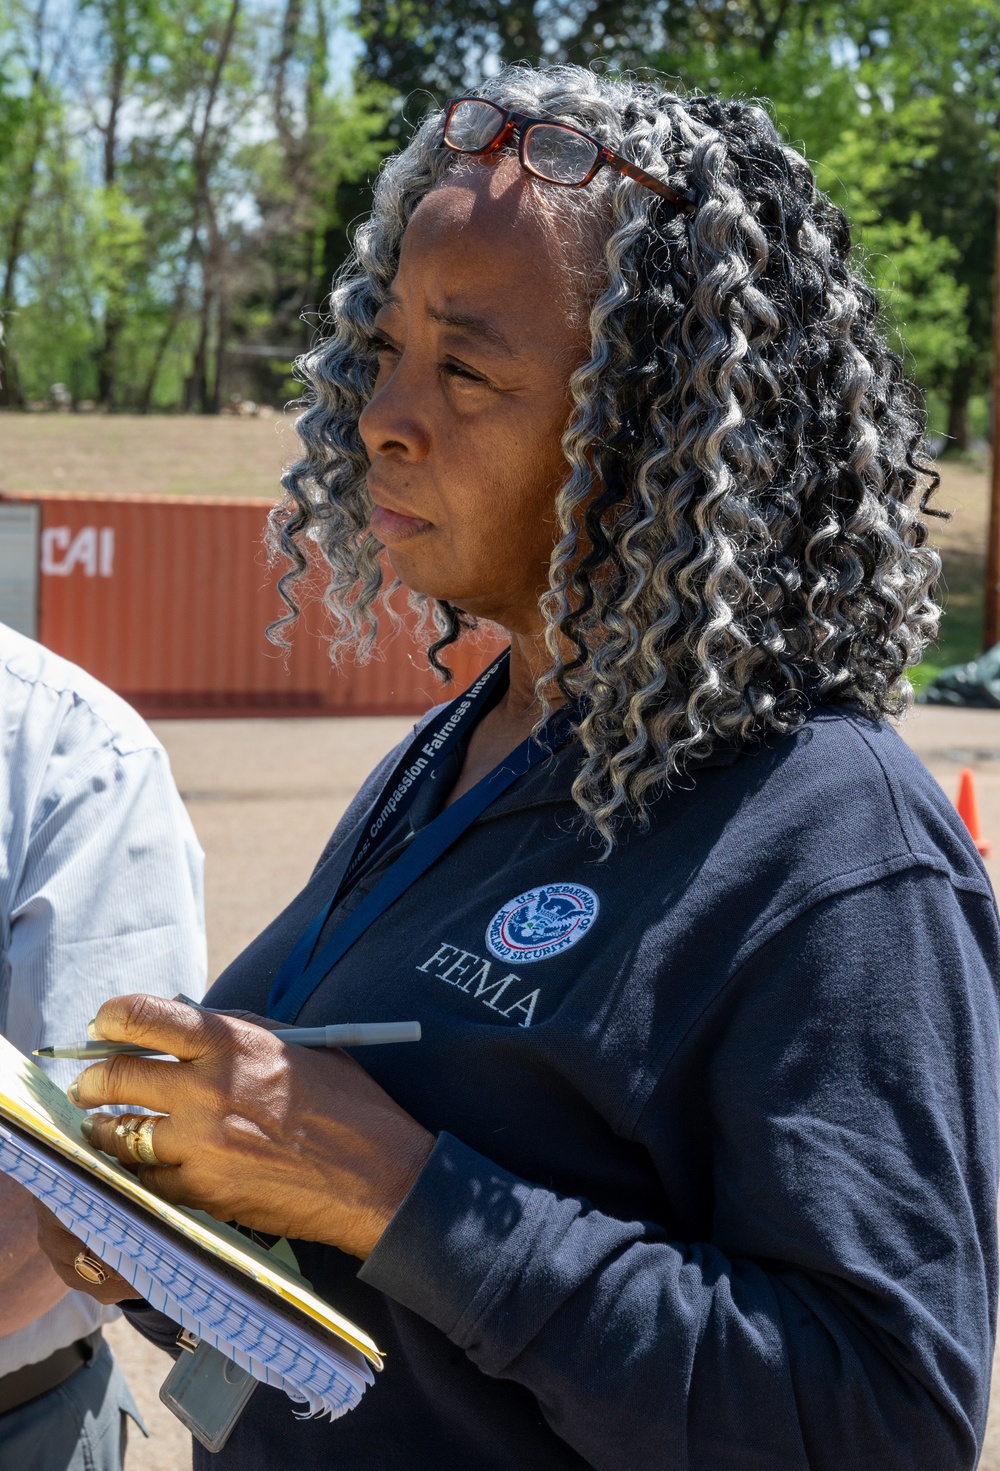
(962, 544)
(154, 455)
(962, 595)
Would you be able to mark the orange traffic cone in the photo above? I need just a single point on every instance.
(968, 811)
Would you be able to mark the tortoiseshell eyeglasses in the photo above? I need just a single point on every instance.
(555, 152)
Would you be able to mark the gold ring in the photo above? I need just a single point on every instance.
(89, 1268)
(126, 1130)
(135, 1132)
(144, 1141)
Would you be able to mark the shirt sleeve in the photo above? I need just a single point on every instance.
(839, 1307)
(154, 1326)
(109, 900)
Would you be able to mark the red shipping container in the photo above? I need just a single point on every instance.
(166, 599)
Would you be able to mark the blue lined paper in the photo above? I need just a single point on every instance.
(316, 1370)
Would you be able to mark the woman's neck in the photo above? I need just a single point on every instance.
(529, 659)
(513, 717)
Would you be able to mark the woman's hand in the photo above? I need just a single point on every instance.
(287, 1140)
(62, 1248)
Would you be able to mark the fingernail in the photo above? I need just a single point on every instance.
(92, 1030)
(73, 1094)
(87, 1127)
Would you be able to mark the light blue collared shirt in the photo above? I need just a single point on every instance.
(100, 885)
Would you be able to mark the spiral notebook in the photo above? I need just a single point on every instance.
(224, 1288)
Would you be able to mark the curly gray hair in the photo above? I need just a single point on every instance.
(739, 528)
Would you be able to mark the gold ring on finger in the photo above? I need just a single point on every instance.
(124, 1129)
(143, 1150)
(127, 1130)
(90, 1269)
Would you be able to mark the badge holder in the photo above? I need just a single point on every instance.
(206, 1391)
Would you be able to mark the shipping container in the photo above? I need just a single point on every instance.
(166, 599)
(19, 567)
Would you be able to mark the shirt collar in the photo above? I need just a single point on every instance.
(550, 783)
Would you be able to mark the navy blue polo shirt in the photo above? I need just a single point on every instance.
(715, 1178)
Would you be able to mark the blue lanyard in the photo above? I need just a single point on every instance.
(425, 754)
(299, 975)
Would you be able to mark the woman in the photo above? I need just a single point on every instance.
(696, 1164)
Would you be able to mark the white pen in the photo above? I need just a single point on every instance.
(344, 1034)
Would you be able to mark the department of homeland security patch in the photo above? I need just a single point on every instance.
(541, 923)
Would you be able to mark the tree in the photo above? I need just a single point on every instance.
(923, 77)
(125, 39)
(181, 240)
(325, 145)
(23, 121)
(898, 106)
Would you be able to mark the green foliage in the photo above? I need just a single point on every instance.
(156, 254)
(896, 107)
(169, 238)
(120, 247)
(13, 115)
(927, 307)
(895, 103)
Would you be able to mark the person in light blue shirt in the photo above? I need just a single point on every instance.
(100, 893)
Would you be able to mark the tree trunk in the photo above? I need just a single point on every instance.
(198, 394)
(201, 167)
(107, 358)
(197, 383)
(10, 388)
(291, 22)
(214, 402)
(11, 393)
(114, 316)
(173, 322)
